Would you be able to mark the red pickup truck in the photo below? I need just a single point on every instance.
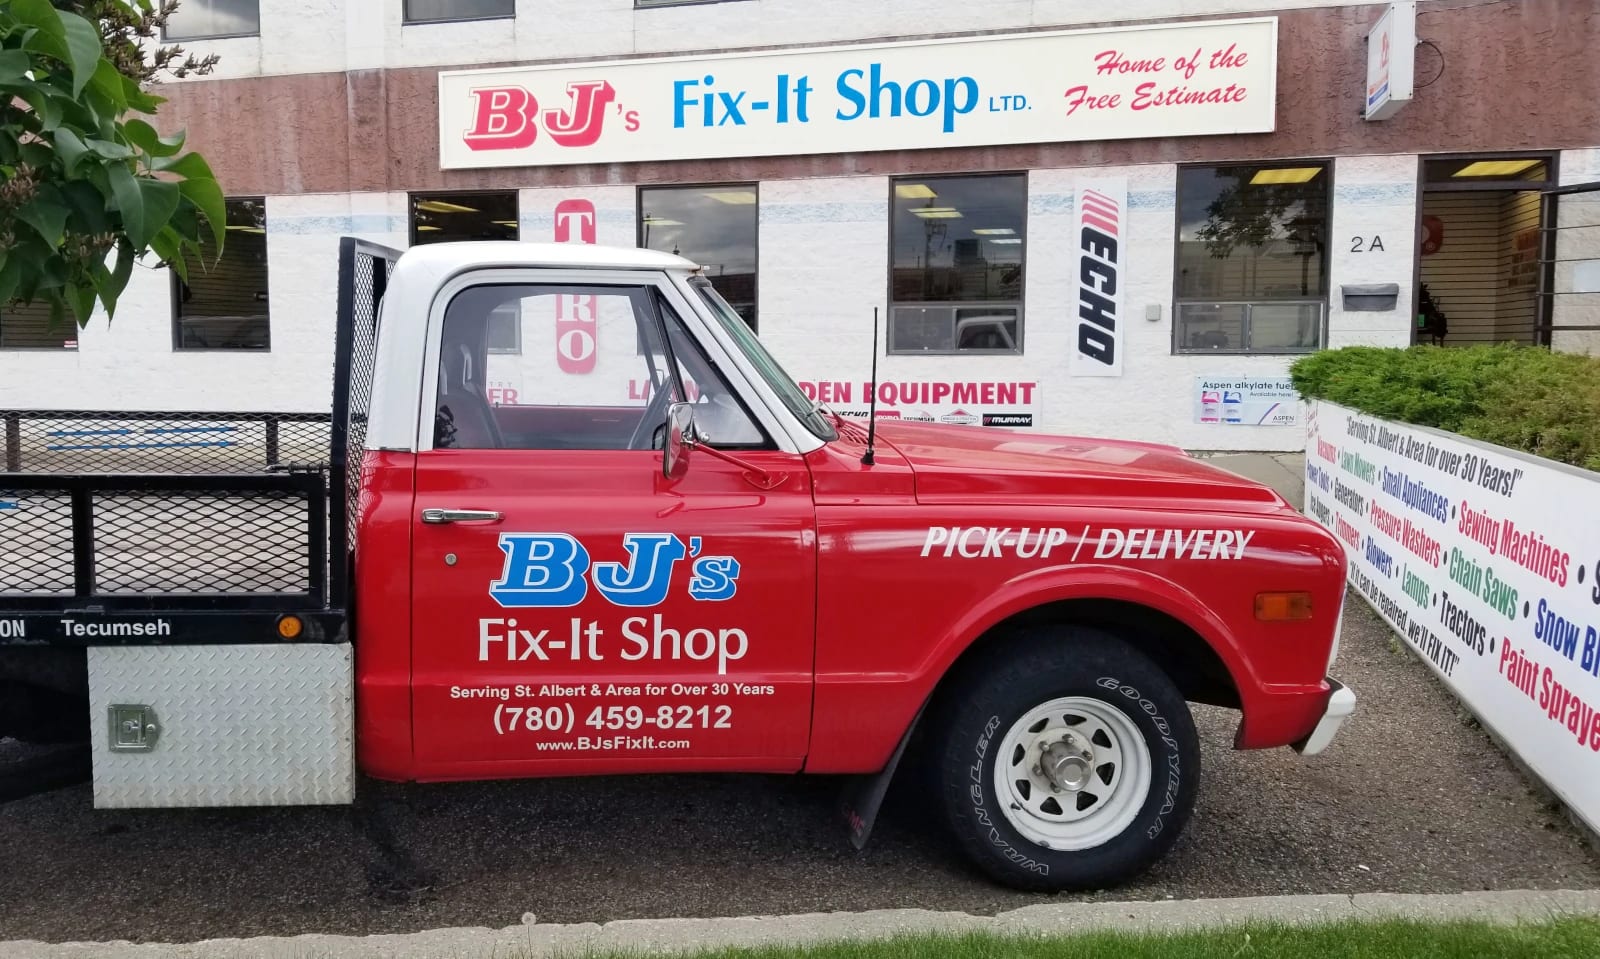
(569, 517)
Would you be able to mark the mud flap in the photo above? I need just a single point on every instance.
(863, 795)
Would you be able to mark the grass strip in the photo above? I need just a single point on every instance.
(1563, 938)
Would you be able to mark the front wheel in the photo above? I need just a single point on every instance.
(1069, 762)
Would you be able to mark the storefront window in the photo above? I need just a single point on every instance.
(1252, 271)
(208, 19)
(958, 246)
(714, 226)
(223, 304)
(446, 217)
(437, 11)
(29, 328)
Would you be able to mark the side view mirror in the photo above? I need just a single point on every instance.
(680, 440)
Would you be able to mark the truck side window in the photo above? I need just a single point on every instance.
(719, 414)
(573, 376)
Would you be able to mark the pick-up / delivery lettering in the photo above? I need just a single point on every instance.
(984, 542)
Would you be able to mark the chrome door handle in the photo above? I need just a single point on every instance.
(460, 515)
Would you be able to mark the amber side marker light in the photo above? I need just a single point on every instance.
(1283, 607)
(290, 627)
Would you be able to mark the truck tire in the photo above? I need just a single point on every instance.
(1070, 761)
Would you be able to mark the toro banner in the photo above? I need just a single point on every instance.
(1101, 212)
(1487, 561)
(1214, 77)
(962, 402)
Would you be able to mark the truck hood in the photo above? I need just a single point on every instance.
(969, 464)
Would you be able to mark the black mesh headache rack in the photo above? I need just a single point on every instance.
(191, 527)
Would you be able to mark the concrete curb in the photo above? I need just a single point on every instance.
(533, 941)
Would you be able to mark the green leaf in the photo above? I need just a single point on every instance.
(84, 49)
(14, 64)
(191, 166)
(206, 195)
(160, 202)
(110, 149)
(145, 137)
(130, 202)
(41, 14)
(70, 147)
(46, 215)
(10, 274)
(115, 281)
(44, 105)
(169, 246)
(81, 297)
(109, 83)
(88, 206)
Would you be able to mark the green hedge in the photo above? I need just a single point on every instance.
(1522, 397)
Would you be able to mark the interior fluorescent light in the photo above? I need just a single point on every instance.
(1294, 174)
(1014, 240)
(1496, 167)
(504, 222)
(734, 197)
(444, 206)
(246, 228)
(914, 191)
(939, 213)
(661, 221)
(996, 231)
(427, 228)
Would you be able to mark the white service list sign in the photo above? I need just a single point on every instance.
(1488, 563)
(1191, 79)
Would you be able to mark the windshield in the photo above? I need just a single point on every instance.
(807, 412)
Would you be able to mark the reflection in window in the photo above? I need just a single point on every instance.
(29, 328)
(223, 305)
(201, 19)
(714, 226)
(958, 246)
(432, 11)
(1252, 258)
(445, 217)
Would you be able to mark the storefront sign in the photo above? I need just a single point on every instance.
(1246, 401)
(1476, 556)
(1391, 60)
(577, 329)
(961, 402)
(1215, 77)
(1102, 240)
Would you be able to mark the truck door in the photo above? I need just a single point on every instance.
(573, 609)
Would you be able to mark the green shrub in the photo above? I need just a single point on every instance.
(1522, 397)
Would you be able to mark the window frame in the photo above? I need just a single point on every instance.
(954, 305)
(754, 187)
(1324, 302)
(191, 38)
(175, 285)
(406, 20)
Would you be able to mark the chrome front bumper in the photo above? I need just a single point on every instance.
(1341, 703)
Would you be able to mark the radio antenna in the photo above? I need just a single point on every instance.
(872, 400)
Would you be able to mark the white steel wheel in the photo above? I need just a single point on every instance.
(1072, 773)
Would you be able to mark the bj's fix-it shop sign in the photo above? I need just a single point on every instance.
(1215, 77)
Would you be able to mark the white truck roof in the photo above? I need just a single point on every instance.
(437, 259)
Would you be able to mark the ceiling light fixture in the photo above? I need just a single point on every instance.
(732, 197)
(1496, 167)
(995, 231)
(914, 191)
(444, 206)
(1294, 174)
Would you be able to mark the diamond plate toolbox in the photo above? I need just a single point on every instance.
(268, 725)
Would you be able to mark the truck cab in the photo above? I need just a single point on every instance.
(575, 519)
